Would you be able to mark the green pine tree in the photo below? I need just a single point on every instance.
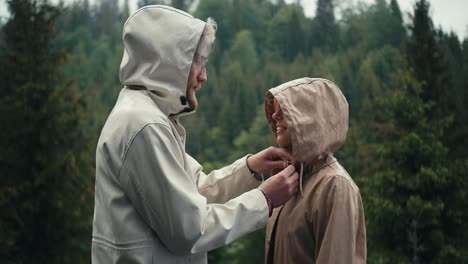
(46, 169)
(398, 33)
(426, 58)
(413, 210)
(325, 33)
(295, 36)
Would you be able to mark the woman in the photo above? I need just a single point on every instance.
(324, 223)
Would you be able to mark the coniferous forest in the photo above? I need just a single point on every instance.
(406, 82)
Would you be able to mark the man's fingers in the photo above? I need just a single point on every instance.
(278, 153)
(294, 176)
(286, 171)
(278, 164)
(289, 170)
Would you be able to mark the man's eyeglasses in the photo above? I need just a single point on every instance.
(200, 60)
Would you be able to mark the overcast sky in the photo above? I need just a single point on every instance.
(451, 15)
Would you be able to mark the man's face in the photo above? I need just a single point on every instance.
(197, 76)
(283, 136)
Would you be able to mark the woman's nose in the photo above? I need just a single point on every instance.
(276, 116)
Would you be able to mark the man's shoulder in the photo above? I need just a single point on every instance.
(137, 109)
(129, 116)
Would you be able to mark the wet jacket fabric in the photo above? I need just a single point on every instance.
(325, 222)
(153, 203)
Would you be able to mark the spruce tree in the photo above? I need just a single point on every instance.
(398, 32)
(295, 36)
(46, 166)
(325, 33)
(426, 58)
(415, 208)
(142, 3)
(456, 94)
(430, 59)
(181, 4)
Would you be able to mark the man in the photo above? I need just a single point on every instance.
(324, 224)
(153, 203)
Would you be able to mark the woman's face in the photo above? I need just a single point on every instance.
(282, 132)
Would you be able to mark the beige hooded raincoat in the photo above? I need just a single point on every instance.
(153, 203)
(324, 223)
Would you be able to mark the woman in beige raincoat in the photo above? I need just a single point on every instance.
(324, 223)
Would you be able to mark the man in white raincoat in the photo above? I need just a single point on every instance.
(153, 203)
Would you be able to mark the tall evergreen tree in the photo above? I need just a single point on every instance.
(413, 197)
(398, 33)
(125, 10)
(456, 94)
(426, 58)
(295, 36)
(284, 30)
(181, 4)
(45, 159)
(108, 20)
(325, 33)
(396, 10)
(142, 3)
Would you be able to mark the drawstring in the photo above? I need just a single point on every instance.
(300, 179)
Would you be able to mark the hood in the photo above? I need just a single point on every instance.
(317, 115)
(159, 61)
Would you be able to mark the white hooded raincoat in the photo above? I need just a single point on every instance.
(153, 203)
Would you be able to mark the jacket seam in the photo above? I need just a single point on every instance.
(130, 142)
(103, 240)
(145, 201)
(301, 83)
(158, 6)
(350, 182)
(131, 176)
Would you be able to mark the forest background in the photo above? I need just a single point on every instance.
(406, 83)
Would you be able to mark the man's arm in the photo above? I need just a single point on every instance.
(167, 198)
(221, 185)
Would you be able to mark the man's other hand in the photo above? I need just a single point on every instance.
(281, 186)
(269, 159)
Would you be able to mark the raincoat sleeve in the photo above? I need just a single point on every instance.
(221, 185)
(167, 198)
(339, 225)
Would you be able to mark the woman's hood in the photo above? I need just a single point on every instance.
(317, 115)
(159, 61)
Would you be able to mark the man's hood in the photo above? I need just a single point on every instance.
(317, 116)
(159, 45)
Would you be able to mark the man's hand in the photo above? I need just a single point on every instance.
(282, 186)
(268, 159)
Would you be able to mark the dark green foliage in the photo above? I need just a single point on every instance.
(181, 4)
(426, 59)
(325, 31)
(142, 3)
(412, 194)
(398, 30)
(46, 186)
(456, 93)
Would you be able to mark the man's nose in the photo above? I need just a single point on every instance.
(203, 77)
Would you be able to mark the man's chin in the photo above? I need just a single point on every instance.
(193, 103)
